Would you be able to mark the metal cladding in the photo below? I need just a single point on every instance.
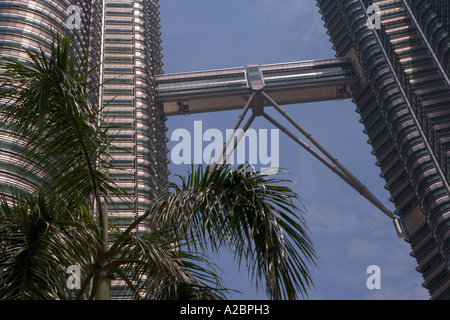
(126, 35)
(403, 100)
(132, 57)
(31, 25)
(229, 89)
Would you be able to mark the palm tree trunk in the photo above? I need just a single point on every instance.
(103, 285)
(103, 289)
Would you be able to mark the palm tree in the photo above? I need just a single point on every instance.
(38, 236)
(49, 103)
(41, 235)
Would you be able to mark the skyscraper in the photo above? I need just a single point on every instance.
(30, 24)
(403, 98)
(132, 57)
(125, 34)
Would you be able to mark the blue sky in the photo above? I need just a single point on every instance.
(348, 233)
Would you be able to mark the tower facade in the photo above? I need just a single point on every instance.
(125, 35)
(31, 24)
(132, 57)
(403, 98)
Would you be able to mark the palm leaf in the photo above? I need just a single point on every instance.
(50, 104)
(154, 266)
(40, 238)
(254, 215)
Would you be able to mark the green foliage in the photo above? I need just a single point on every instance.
(39, 239)
(254, 215)
(51, 105)
(155, 267)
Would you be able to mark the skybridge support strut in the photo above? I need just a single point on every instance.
(334, 165)
(329, 160)
(350, 178)
(241, 134)
(236, 126)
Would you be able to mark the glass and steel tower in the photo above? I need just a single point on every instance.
(31, 24)
(403, 98)
(132, 56)
(125, 35)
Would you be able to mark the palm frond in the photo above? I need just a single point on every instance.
(154, 266)
(39, 239)
(50, 104)
(253, 214)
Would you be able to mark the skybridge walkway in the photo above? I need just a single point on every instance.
(229, 89)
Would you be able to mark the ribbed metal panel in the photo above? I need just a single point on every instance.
(403, 67)
(130, 45)
(133, 57)
(30, 24)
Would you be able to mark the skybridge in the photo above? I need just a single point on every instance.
(230, 89)
(256, 87)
